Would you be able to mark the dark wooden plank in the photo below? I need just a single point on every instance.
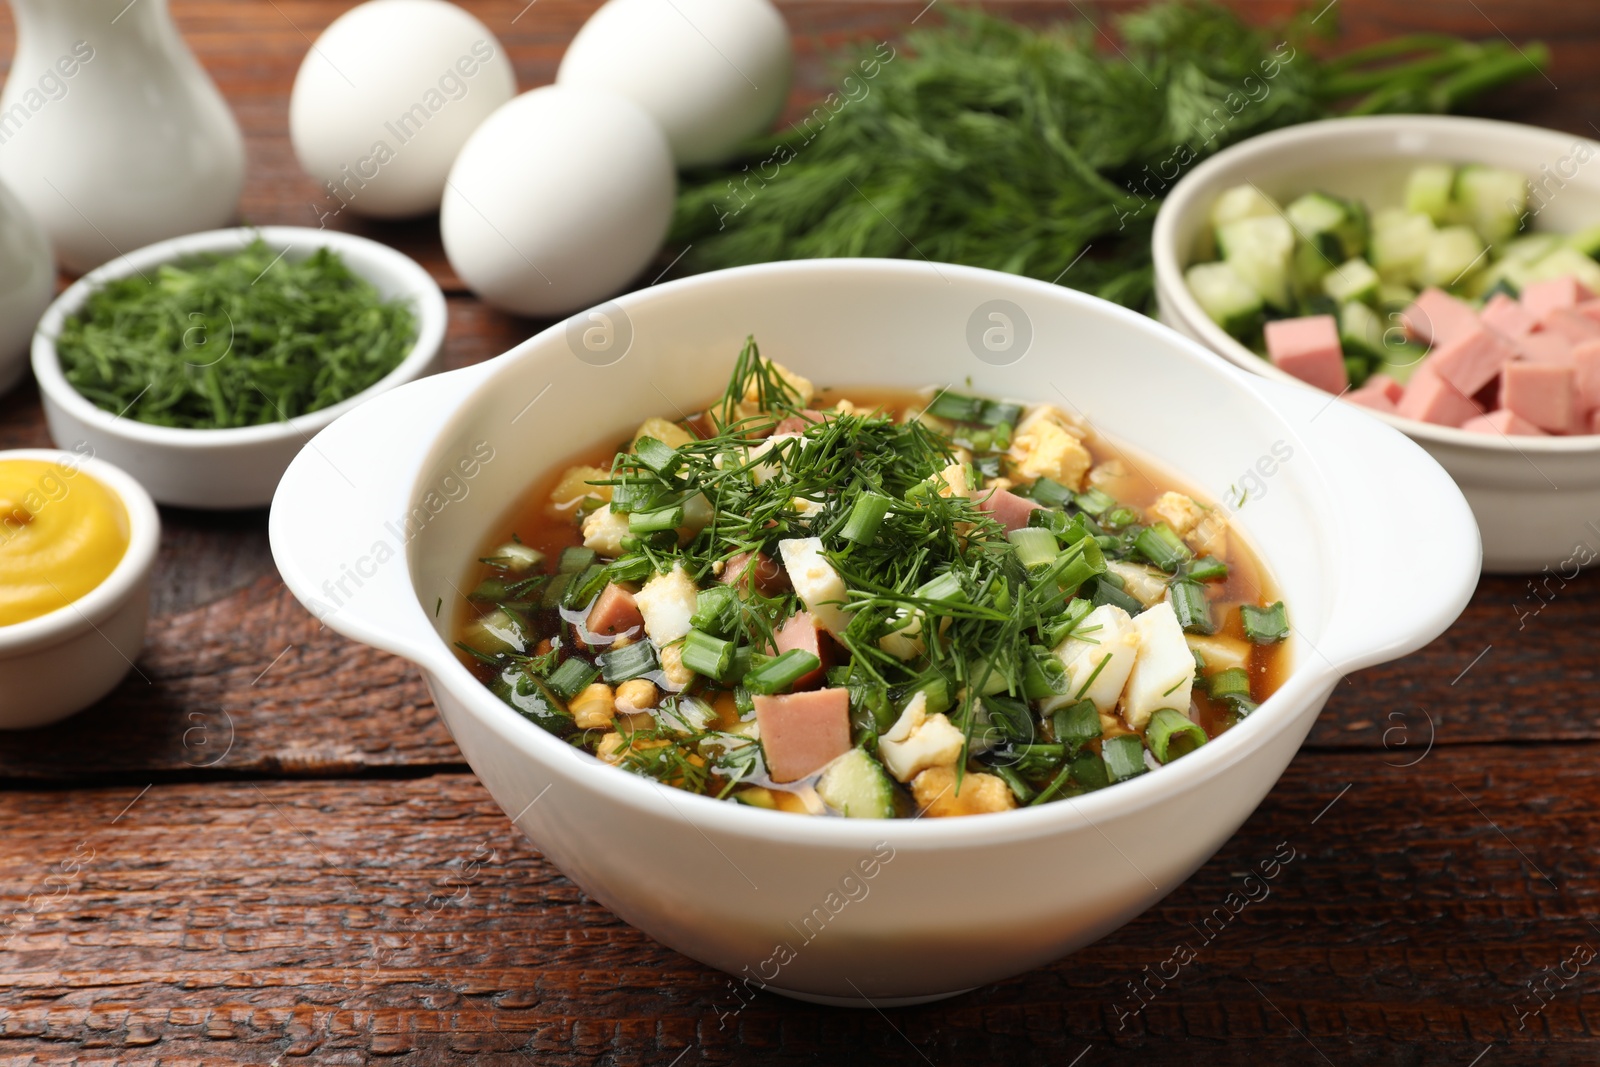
(406, 918)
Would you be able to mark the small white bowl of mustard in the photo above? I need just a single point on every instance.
(78, 540)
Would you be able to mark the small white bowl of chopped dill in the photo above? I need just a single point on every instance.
(203, 364)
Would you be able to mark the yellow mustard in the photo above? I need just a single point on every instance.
(61, 534)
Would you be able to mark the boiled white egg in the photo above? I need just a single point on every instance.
(385, 99)
(558, 200)
(714, 73)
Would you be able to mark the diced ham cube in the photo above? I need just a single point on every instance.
(802, 631)
(1308, 348)
(1374, 399)
(1436, 317)
(1007, 508)
(1542, 393)
(1591, 308)
(1503, 421)
(797, 423)
(1508, 318)
(1586, 364)
(1382, 383)
(614, 612)
(1571, 324)
(1472, 360)
(802, 732)
(1541, 298)
(758, 569)
(1429, 398)
(1545, 347)
(1593, 425)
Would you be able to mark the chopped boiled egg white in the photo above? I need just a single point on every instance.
(604, 530)
(906, 642)
(1220, 651)
(1098, 657)
(952, 481)
(918, 741)
(765, 472)
(666, 602)
(815, 581)
(1163, 671)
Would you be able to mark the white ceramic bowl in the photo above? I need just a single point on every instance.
(232, 468)
(63, 661)
(960, 902)
(1536, 499)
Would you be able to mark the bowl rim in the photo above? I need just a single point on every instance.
(86, 612)
(1173, 293)
(360, 254)
(1307, 684)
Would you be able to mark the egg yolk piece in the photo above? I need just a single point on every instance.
(62, 533)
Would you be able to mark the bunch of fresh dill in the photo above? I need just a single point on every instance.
(237, 340)
(1046, 152)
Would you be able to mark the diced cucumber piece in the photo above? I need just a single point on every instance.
(1394, 297)
(1535, 246)
(1313, 259)
(1242, 202)
(1259, 249)
(1352, 280)
(1360, 330)
(1567, 262)
(1454, 252)
(1400, 243)
(1318, 214)
(1428, 191)
(1586, 240)
(857, 785)
(1514, 273)
(1401, 358)
(1492, 200)
(496, 633)
(1226, 298)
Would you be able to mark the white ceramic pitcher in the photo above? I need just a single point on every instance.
(27, 281)
(111, 132)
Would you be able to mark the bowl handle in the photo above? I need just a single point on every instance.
(342, 497)
(1395, 593)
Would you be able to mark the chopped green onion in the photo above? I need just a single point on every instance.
(1021, 789)
(980, 440)
(1089, 771)
(957, 408)
(1233, 682)
(1035, 547)
(1076, 565)
(1077, 724)
(1002, 437)
(555, 591)
(716, 610)
(936, 690)
(866, 515)
(1208, 569)
(1057, 630)
(778, 673)
(630, 661)
(657, 455)
(1119, 517)
(1000, 413)
(631, 569)
(585, 587)
(1042, 675)
(1190, 605)
(572, 677)
(945, 589)
(741, 663)
(489, 591)
(1124, 757)
(987, 466)
(707, 655)
(1095, 502)
(1051, 493)
(1162, 546)
(1264, 626)
(1172, 734)
(576, 559)
(1107, 593)
(1057, 783)
(643, 522)
(1011, 717)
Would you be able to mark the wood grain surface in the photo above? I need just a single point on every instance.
(264, 848)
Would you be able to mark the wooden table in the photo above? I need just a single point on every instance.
(265, 847)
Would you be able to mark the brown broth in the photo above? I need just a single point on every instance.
(549, 530)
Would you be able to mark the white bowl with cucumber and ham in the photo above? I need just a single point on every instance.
(1437, 271)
